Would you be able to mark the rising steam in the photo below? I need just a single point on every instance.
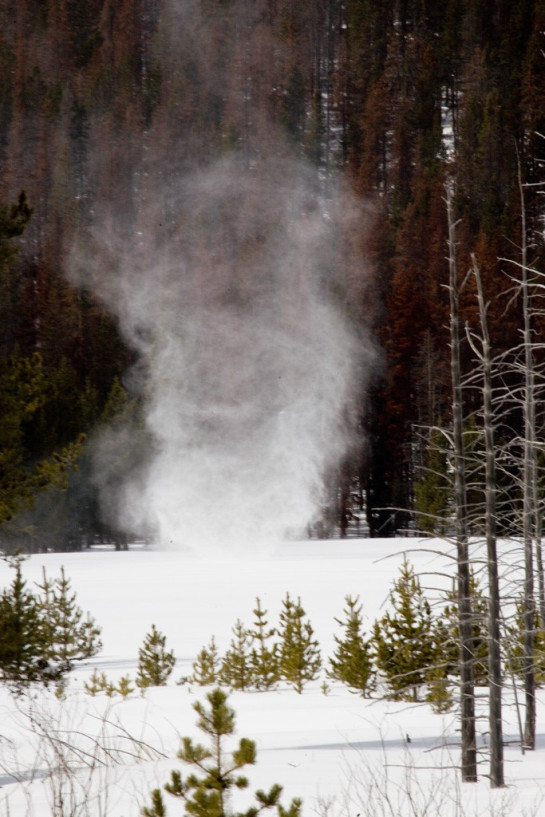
(232, 289)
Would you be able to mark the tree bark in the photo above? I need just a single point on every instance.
(530, 505)
(494, 655)
(467, 690)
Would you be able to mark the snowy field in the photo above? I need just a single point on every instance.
(342, 754)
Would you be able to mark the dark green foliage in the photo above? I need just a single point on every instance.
(235, 670)
(206, 665)
(22, 658)
(155, 663)
(404, 640)
(42, 636)
(352, 662)
(205, 793)
(24, 390)
(264, 656)
(299, 658)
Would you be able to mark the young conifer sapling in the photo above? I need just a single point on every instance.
(205, 792)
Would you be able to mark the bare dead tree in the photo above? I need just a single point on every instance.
(529, 287)
(482, 349)
(467, 690)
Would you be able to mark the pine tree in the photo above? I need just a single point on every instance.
(352, 662)
(41, 637)
(124, 686)
(263, 658)
(404, 640)
(300, 659)
(98, 682)
(21, 633)
(70, 636)
(155, 663)
(207, 795)
(235, 670)
(206, 665)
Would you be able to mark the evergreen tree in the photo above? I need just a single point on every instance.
(263, 658)
(299, 659)
(405, 641)
(70, 636)
(206, 665)
(22, 391)
(352, 661)
(42, 636)
(207, 795)
(98, 682)
(21, 633)
(235, 670)
(124, 686)
(155, 663)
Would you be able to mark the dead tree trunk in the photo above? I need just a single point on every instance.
(467, 691)
(529, 488)
(495, 680)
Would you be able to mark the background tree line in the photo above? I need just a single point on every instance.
(97, 98)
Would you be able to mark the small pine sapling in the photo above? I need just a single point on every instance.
(206, 665)
(124, 686)
(404, 640)
(235, 669)
(70, 636)
(439, 694)
(299, 659)
(264, 655)
(352, 662)
(98, 682)
(207, 795)
(155, 663)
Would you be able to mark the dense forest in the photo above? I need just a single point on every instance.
(103, 103)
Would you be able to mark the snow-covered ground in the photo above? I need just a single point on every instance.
(342, 754)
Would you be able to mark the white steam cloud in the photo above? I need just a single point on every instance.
(233, 292)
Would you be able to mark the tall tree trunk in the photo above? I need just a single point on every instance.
(529, 489)
(494, 655)
(467, 690)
